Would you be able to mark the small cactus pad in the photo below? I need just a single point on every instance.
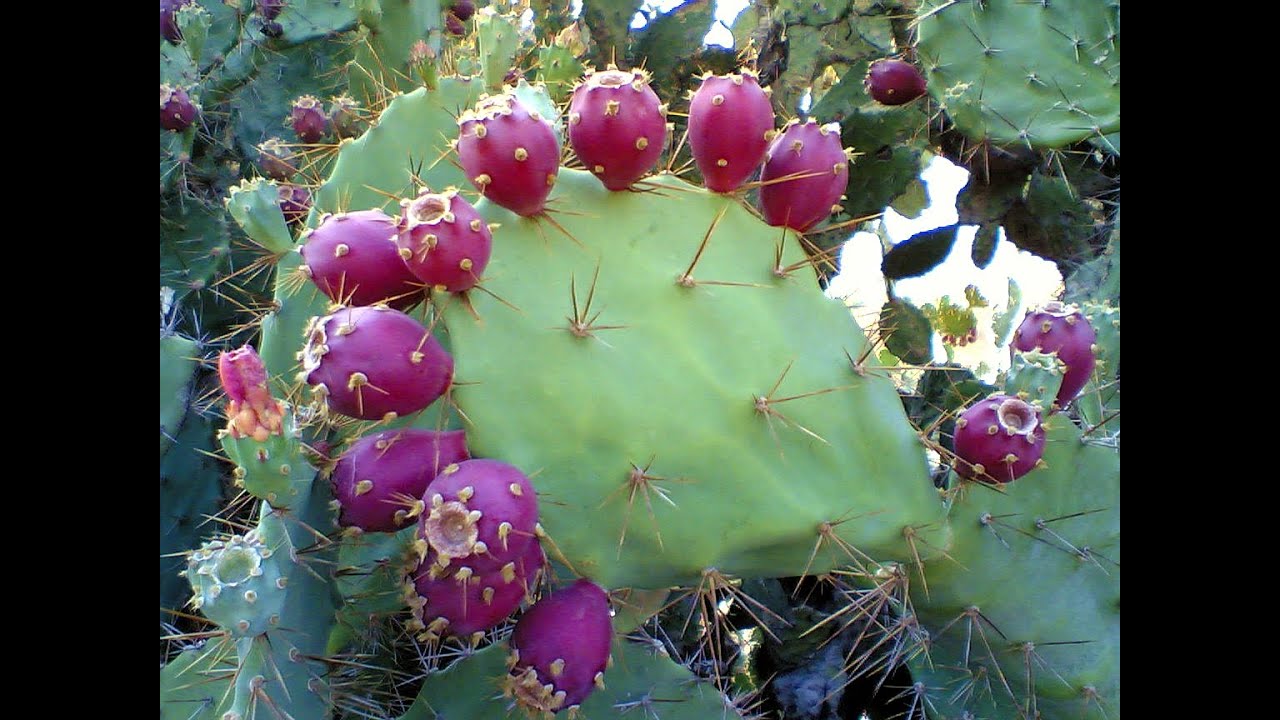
(1064, 330)
(617, 126)
(730, 126)
(560, 648)
(805, 173)
(998, 439)
(382, 476)
(352, 258)
(371, 362)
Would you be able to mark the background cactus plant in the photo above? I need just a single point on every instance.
(765, 488)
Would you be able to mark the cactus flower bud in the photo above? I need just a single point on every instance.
(251, 411)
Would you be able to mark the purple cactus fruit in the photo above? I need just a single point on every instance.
(479, 515)
(454, 25)
(998, 439)
(177, 111)
(893, 82)
(352, 258)
(374, 363)
(465, 605)
(308, 119)
(509, 152)
(617, 126)
(295, 203)
(381, 478)
(276, 160)
(443, 240)
(464, 9)
(344, 114)
(169, 29)
(560, 649)
(1060, 328)
(270, 9)
(730, 126)
(805, 173)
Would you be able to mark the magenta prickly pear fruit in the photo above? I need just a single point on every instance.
(479, 515)
(466, 605)
(1063, 329)
(276, 160)
(510, 153)
(560, 649)
(270, 9)
(295, 203)
(344, 115)
(380, 479)
(730, 126)
(463, 9)
(805, 173)
(352, 258)
(169, 29)
(454, 25)
(998, 439)
(893, 82)
(617, 126)
(308, 119)
(374, 363)
(177, 111)
(443, 240)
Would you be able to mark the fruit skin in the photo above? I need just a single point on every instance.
(270, 9)
(177, 111)
(372, 362)
(168, 22)
(443, 241)
(562, 642)
(276, 160)
(308, 119)
(507, 519)
(617, 126)
(813, 153)
(379, 478)
(352, 258)
(998, 439)
(894, 82)
(1060, 328)
(295, 203)
(727, 159)
(464, 606)
(463, 9)
(509, 152)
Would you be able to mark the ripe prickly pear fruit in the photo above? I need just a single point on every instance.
(276, 160)
(374, 363)
(893, 82)
(454, 25)
(270, 9)
(509, 152)
(352, 258)
(998, 439)
(811, 156)
(345, 116)
(177, 111)
(560, 649)
(381, 478)
(443, 241)
(617, 126)
(168, 21)
(730, 126)
(1063, 329)
(479, 515)
(295, 203)
(308, 119)
(465, 605)
(463, 9)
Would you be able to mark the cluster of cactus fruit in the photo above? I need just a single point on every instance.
(515, 379)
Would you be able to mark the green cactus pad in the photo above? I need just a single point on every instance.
(269, 470)
(640, 683)
(497, 41)
(193, 685)
(670, 399)
(1037, 374)
(255, 205)
(177, 369)
(1039, 559)
(1038, 74)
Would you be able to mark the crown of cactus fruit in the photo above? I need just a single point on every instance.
(727, 159)
(237, 585)
(560, 650)
(479, 515)
(177, 111)
(805, 172)
(509, 152)
(379, 481)
(617, 125)
(894, 82)
(998, 439)
(374, 363)
(352, 258)
(443, 241)
(308, 120)
(1062, 329)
